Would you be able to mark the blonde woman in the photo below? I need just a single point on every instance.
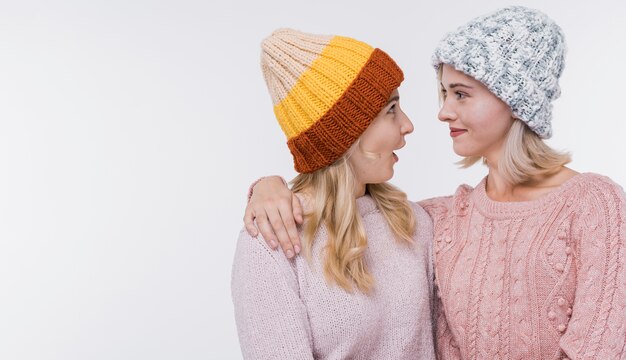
(531, 262)
(365, 247)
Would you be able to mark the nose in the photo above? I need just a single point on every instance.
(407, 125)
(446, 113)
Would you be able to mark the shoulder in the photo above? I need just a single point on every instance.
(247, 244)
(445, 205)
(423, 220)
(421, 215)
(253, 254)
(594, 188)
(436, 203)
(600, 181)
(259, 269)
(597, 202)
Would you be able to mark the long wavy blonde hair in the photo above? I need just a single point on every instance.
(332, 203)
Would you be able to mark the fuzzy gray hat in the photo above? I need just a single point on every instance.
(518, 53)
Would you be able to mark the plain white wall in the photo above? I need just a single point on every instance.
(130, 131)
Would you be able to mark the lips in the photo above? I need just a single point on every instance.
(393, 153)
(454, 132)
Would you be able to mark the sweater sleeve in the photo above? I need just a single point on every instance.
(425, 229)
(447, 348)
(597, 328)
(439, 209)
(271, 317)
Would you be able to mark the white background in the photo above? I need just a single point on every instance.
(130, 131)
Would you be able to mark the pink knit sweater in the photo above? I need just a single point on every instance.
(543, 279)
(286, 310)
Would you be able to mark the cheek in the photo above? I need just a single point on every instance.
(491, 120)
(358, 163)
(379, 140)
(372, 168)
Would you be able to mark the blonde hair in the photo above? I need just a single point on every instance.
(525, 154)
(333, 204)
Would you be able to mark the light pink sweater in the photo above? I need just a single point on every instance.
(543, 279)
(286, 310)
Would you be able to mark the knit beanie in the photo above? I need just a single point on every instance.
(518, 53)
(326, 90)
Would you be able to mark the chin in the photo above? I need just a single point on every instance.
(463, 151)
(389, 175)
(382, 178)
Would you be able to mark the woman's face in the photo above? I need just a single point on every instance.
(372, 157)
(479, 121)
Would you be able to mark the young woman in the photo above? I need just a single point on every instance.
(366, 247)
(530, 263)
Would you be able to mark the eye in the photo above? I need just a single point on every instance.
(444, 93)
(392, 109)
(460, 95)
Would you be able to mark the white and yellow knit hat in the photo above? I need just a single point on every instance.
(326, 90)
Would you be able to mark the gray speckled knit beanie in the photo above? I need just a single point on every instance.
(518, 53)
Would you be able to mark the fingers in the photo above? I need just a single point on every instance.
(276, 211)
(297, 210)
(276, 221)
(265, 227)
(290, 226)
(248, 220)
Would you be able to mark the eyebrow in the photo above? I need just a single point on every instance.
(453, 85)
(395, 98)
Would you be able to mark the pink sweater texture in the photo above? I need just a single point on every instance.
(543, 279)
(286, 309)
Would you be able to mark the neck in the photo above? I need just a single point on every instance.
(498, 188)
(359, 190)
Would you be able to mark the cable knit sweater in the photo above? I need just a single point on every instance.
(543, 279)
(286, 310)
